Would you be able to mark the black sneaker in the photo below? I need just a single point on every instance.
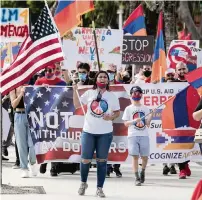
(5, 151)
(3, 158)
(142, 176)
(16, 166)
(108, 174)
(118, 173)
(166, 170)
(173, 170)
(53, 171)
(137, 182)
(43, 168)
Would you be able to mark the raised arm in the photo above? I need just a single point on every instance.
(15, 100)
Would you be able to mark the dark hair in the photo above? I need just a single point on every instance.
(85, 66)
(95, 80)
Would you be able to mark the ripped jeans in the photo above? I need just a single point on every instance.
(89, 144)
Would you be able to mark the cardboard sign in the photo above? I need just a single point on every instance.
(138, 50)
(183, 51)
(79, 46)
(199, 58)
(14, 24)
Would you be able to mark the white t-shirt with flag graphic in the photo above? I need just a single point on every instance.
(94, 122)
(133, 112)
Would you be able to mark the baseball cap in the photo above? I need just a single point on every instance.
(170, 71)
(136, 89)
(51, 66)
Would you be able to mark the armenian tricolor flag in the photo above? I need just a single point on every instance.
(67, 14)
(195, 79)
(175, 139)
(159, 64)
(179, 109)
(135, 24)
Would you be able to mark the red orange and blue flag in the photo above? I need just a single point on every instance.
(67, 14)
(135, 24)
(159, 64)
(179, 109)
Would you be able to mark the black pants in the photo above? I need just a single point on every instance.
(115, 166)
(182, 166)
(6, 143)
(200, 145)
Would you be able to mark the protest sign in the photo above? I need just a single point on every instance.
(79, 46)
(14, 24)
(56, 127)
(199, 58)
(138, 50)
(184, 51)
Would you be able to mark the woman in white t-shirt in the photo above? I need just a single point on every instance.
(102, 108)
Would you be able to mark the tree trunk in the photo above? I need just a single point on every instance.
(169, 22)
(185, 16)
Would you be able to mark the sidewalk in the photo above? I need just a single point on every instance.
(156, 187)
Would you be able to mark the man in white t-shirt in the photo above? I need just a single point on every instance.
(137, 118)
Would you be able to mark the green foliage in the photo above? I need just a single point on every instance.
(104, 15)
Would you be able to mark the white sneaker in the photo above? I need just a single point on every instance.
(25, 173)
(33, 169)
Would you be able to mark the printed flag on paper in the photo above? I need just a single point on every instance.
(175, 139)
(56, 126)
(39, 50)
(179, 109)
(159, 64)
(135, 24)
(4, 53)
(68, 13)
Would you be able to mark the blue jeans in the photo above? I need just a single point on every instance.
(200, 145)
(24, 141)
(89, 143)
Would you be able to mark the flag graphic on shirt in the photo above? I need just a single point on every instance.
(40, 49)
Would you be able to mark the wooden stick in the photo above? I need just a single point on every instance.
(96, 48)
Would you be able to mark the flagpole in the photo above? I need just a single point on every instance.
(80, 102)
(96, 48)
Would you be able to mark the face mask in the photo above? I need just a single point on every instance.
(49, 75)
(82, 76)
(101, 85)
(126, 79)
(136, 97)
(111, 76)
(58, 73)
(147, 73)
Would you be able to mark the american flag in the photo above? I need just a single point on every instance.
(40, 49)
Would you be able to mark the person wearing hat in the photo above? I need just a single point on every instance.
(50, 78)
(169, 75)
(137, 118)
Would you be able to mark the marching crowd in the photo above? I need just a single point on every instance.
(93, 136)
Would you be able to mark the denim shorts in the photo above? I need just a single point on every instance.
(138, 146)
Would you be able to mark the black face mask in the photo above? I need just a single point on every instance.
(147, 73)
(126, 79)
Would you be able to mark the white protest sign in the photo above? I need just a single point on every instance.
(79, 46)
(14, 24)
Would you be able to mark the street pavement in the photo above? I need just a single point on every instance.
(65, 186)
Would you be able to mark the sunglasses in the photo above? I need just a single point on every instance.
(99, 97)
(182, 69)
(170, 75)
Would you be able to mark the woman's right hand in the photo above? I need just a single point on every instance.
(75, 86)
(22, 90)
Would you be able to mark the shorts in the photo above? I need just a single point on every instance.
(138, 146)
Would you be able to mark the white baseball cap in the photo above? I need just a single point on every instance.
(170, 71)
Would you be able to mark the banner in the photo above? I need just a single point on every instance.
(138, 50)
(56, 127)
(14, 24)
(199, 58)
(185, 51)
(79, 46)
